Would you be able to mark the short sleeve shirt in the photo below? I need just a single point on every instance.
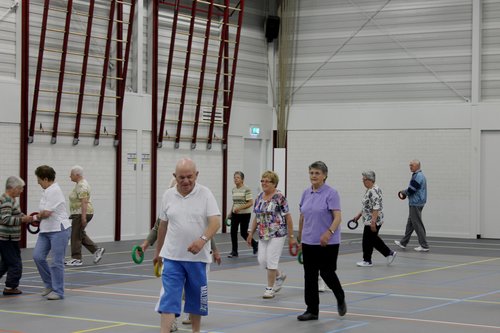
(187, 220)
(80, 191)
(240, 197)
(317, 207)
(270, 215)
(53, 200)
(372, 200)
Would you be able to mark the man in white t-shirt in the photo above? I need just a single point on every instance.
(193, 219)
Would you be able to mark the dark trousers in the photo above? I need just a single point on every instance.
(79, 237)
(242, 221)
(371, 240)
(322, 260)
(11, 263)
(415, 223)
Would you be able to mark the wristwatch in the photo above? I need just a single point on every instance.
(205, 238)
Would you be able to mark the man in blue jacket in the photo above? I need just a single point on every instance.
(417, 197)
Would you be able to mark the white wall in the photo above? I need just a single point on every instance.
(387, 147)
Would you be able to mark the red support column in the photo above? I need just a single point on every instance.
(23, 169)
(118, 106)
(122, 73)
(154, 115)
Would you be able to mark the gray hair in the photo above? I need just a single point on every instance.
(77, 170)
(14, 182)
(239, 173)
(369, 174)
(320, 165)
(415, 161)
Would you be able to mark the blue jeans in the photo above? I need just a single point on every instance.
(55, 242)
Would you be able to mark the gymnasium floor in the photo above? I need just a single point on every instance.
(454, 288)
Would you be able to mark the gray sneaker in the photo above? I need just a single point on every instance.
(52, 296)
(45, 291)
(279, 282)
(98, 255)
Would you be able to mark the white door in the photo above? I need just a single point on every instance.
(490, 183)
(252, 164)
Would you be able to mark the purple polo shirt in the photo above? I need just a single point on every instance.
(317, 209)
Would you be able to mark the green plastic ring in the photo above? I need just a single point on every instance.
(136, 249)
(299, 258)
(228, 222)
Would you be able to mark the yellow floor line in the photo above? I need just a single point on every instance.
(100, 328)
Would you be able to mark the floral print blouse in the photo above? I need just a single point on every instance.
(270, 215)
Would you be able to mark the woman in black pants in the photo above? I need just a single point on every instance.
(241, 212)
(372, 217)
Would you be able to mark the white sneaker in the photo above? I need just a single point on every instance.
(73, 262)
(398, 243)
(52, 296)
(98, 255)
(174, 327)
(364, 264)
(421, 249)
(390, 258)
(279, 282)
(269, 293)
(321, 285)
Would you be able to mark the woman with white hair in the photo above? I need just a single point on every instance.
(81, 212)
(11, 219)
(373, 218)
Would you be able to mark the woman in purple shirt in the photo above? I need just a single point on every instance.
(319, 231)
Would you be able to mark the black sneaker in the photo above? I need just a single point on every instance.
(307, 316)
(233, 255)
(342, 309)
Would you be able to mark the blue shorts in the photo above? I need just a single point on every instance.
(188, 276)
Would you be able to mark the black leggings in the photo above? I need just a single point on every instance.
(242, 221)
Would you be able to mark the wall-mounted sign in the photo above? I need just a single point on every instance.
(131, 158)
(255, 131)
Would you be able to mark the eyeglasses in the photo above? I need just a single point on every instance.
(265, 181)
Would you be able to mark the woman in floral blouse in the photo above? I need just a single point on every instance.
(373, 218)
(273, 223)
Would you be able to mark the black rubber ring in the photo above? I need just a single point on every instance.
(352, 224)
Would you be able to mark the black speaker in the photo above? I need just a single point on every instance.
(272, 28)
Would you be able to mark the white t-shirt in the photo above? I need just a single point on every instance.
(187, 220)
(53, 200)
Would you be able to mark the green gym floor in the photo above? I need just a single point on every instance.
(453, 288)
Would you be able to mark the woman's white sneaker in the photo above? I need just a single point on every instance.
(364, 264)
